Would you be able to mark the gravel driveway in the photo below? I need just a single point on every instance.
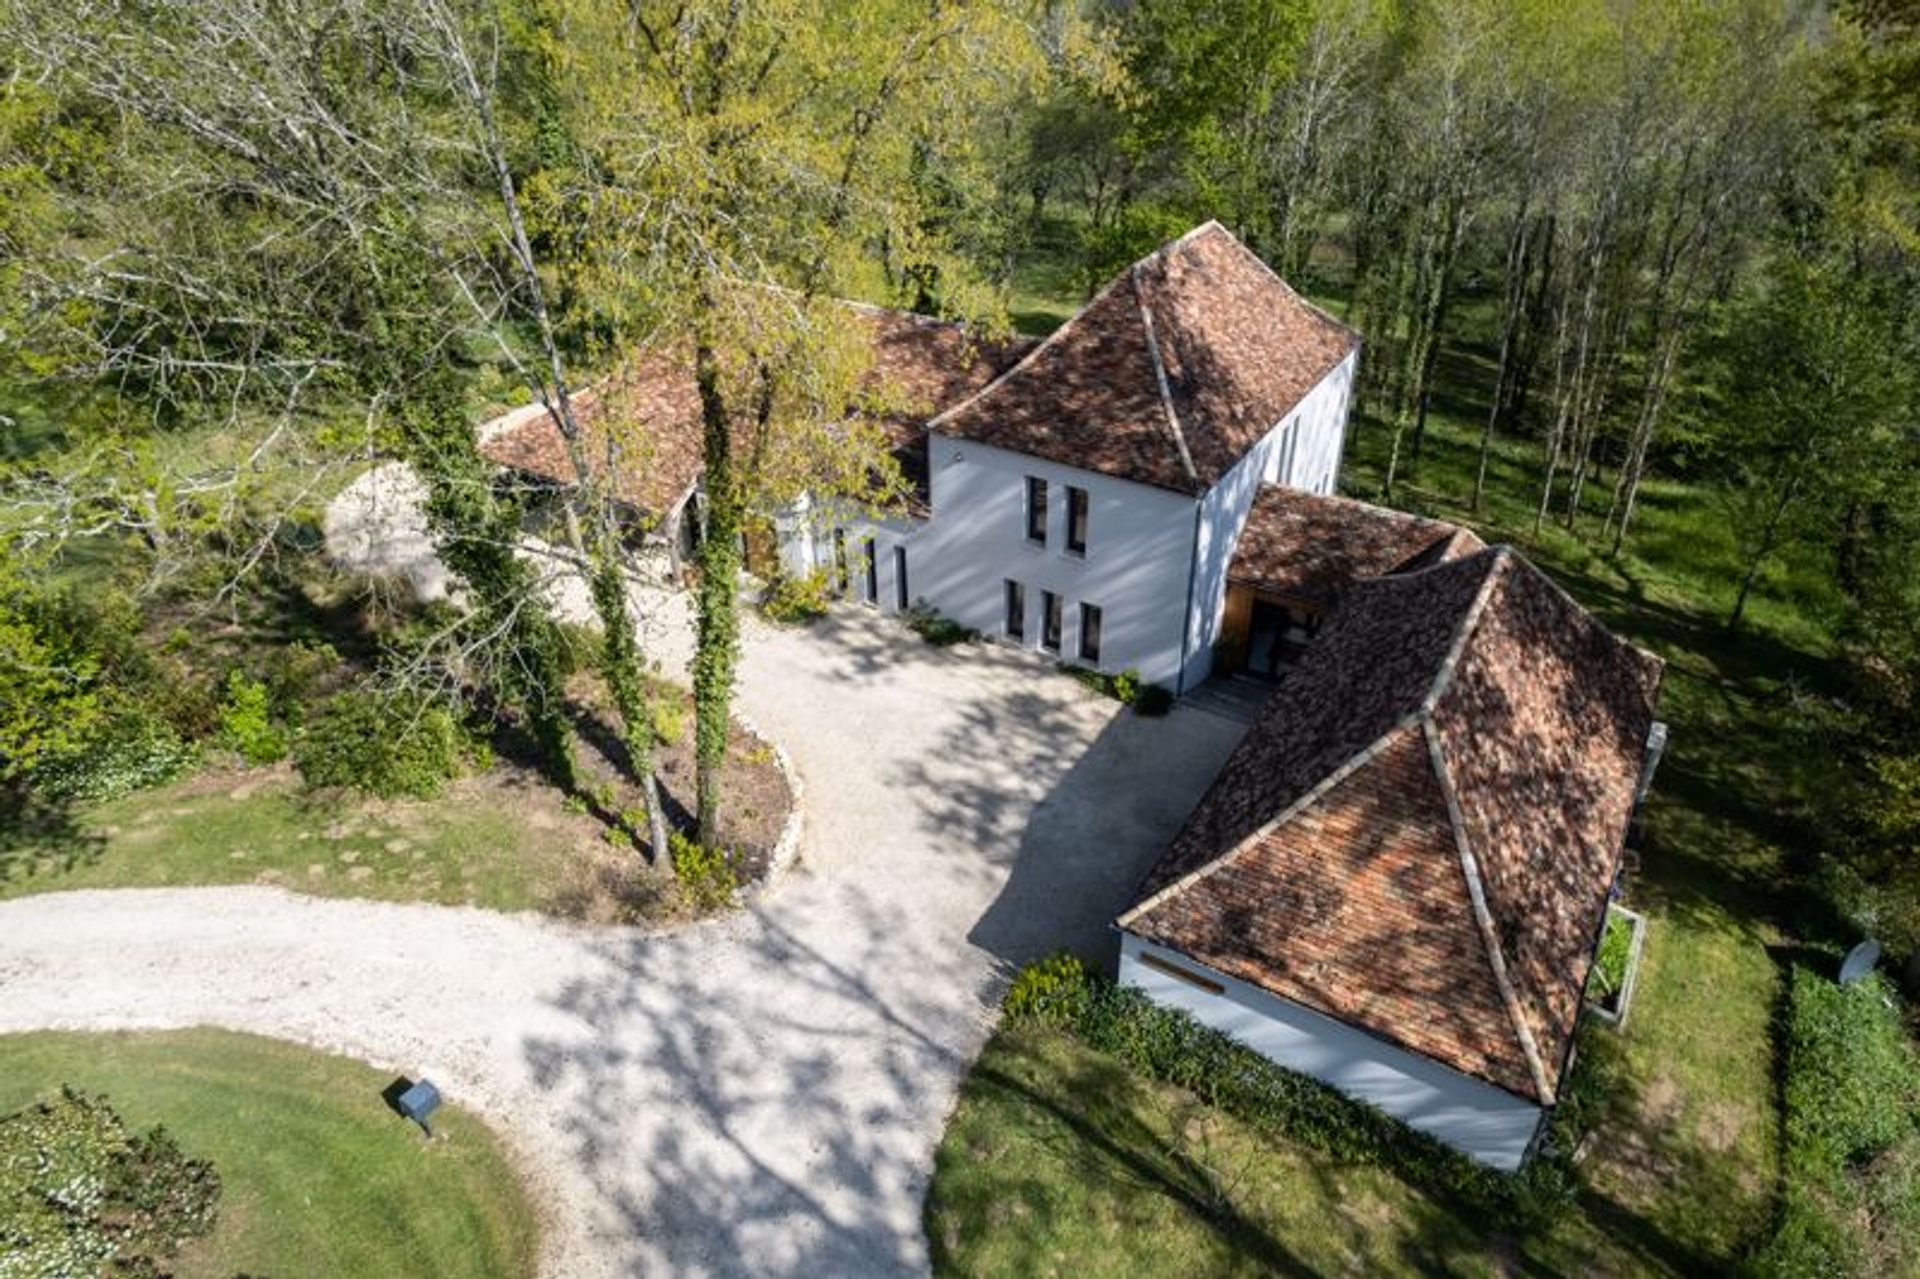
(757, 1096)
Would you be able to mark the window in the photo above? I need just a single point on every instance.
(1180, 973)
(840, 581)
(1077, 521)
(1036, 510)
(1016, 610)
(1090, 633)
(1050, 613)
(870, 573)
(900, 595)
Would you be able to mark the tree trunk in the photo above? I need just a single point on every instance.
(717, 639)
(1768, 538)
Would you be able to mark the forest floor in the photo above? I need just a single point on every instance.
(1054, 1154)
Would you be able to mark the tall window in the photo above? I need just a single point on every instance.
(870, 573)
(1090, 633)
(900, 594)
(1050, 612)
(1016, 610)
(841, 583)
(1077, 521)
(1036, 510)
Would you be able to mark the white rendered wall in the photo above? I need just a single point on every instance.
(1302, 451)
(806, 534)
(1475, 1118)
(1135, 568)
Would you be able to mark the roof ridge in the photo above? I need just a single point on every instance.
(1483, 914)
(1160, 373)
(1307, 798)
(1469, 622)
(1020, 364)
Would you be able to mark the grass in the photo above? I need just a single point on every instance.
(486, 842)
(319, 1177)
(1057, 1161)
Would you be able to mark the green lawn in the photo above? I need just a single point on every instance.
(1058, 1162)
(485, 842)
(320, 1178)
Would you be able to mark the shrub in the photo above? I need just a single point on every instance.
(1168, 1045)
(797, 599)
(669, 713)
(939, 631)
(389, 746)
(246, 722)
(1052, 990)
(705, 874)
(1126, 686)
(1153, 701)
(80, 1195)
(130, 751)
(1851, 1091)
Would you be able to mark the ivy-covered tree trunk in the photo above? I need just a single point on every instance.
(717, 636)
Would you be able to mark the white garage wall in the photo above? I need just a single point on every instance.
(1139, 550)
(1476, 1118)
(1302, 451)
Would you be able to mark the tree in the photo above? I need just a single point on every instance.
(1817, 397)
(744, 163)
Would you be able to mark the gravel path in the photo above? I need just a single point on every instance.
(757, 1096)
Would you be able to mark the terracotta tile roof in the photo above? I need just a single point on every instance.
(1457, 732)
(1311, 548)
(652, 406)
(1170, 375)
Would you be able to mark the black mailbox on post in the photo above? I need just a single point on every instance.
(418, 1102)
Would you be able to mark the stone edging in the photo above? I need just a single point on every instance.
(786, 850)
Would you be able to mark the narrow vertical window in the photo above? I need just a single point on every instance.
(901, 595)
(1077, 521)
(1050, 616)
(1016, 610)
(841, 583)
(870, 573)
(1036, 510)
(1090, 633)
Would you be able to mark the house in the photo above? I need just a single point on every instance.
(1081, 496)
(1398, 882)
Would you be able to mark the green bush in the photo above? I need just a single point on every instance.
(1053, 990)
(705, 875)
(939, 631)
(1153, 701)
(1168, 1045)
(128, 752)
(389, 746)
(1126, 686)
(81, 1196)
(1851, 1095)
(669, 713)
(797, 599)
(246, 722)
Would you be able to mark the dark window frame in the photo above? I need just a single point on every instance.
(1053, 620)
(1098, 617)
(869, 572)
(1180, 973)
(1036, 510)
(1014, 617)
(1079, 516)
(900, 596)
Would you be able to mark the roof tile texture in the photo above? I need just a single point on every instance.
(1354, 904)
(1311, 548)
(1239, 350)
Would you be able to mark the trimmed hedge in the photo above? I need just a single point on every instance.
(1852, 1095)
(1172, 1047)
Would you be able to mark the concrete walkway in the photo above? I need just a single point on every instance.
(758, 1096)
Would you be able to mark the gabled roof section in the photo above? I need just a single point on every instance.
(1311, 548)
(1423, 828)
(1170, 375)
(919, 366)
